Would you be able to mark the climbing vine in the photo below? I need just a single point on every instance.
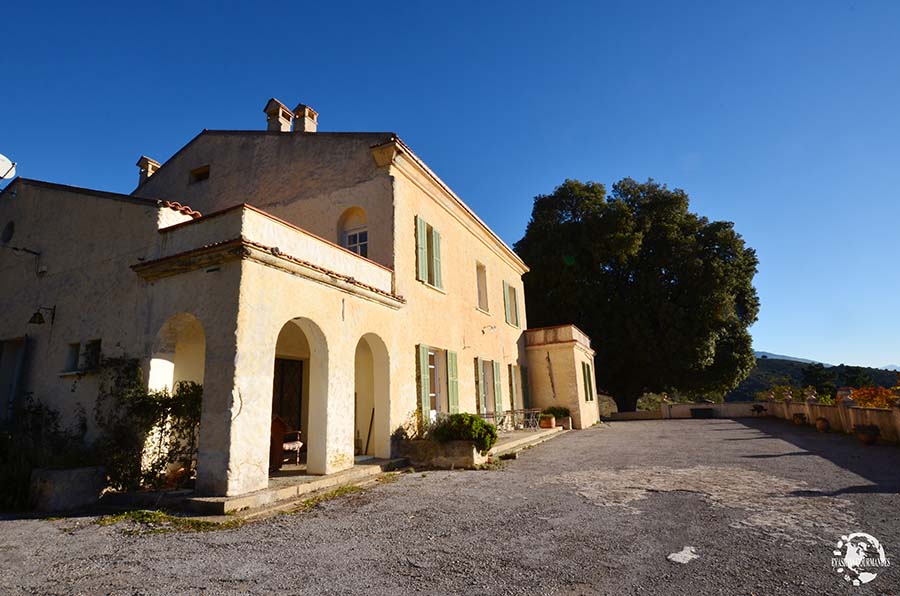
(146, 438)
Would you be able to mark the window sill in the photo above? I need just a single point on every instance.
(481, 310)
(78, 373)
(433, 287)
(513, 325)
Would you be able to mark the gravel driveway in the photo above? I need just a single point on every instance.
(761, 503)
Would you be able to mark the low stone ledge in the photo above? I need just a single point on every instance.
(66, 489)
(425, 453)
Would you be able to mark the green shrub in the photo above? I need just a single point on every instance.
(557, 411)
(466, 427)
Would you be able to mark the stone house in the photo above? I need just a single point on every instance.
(329, 278)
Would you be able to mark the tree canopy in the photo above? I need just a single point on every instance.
(666, 295)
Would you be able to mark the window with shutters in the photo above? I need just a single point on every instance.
(481, 280)
(438, 382)
(428, 254)
(513, 372)
(488, 388)
(511, 304)
(588, 376)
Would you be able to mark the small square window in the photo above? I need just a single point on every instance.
(72, 355)
(199, 174)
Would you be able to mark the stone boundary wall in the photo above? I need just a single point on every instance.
(841, 418)
(639, 415)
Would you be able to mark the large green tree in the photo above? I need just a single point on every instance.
(666, 295)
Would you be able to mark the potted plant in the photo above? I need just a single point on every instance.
(561, 416)
(799, 418)
(867, 433)
(548, 421)
(822, 424)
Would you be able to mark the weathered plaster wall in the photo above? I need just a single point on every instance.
(86, 241)
(307, 179)
(450, 318)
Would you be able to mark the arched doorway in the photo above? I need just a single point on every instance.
(372, 398)
(299, 395)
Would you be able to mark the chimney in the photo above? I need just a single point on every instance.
(148, 167)
(278, 116)
(306, 119)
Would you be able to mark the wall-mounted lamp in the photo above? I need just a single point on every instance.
(488, 328)
(38, 317)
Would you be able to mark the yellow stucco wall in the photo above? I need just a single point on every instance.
(244, 275)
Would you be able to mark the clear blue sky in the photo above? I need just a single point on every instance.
(783, 117)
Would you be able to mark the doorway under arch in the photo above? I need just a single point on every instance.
(372, 398)
(299, 396)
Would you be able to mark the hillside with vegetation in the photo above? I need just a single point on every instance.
(775, 371)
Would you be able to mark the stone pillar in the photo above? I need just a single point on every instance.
(895, 414)
(811, 401)
(333, 415)
(236, 420)
(844, 406)
(787, 408)
(665, 408)
(770, 405)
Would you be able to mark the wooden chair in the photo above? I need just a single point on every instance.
(283, 439)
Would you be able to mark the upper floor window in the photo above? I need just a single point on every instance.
(428, 254)
(353, 231)
(511, 304)
(481, 278)
(357, 240)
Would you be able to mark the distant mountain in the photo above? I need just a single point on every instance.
(894, 367)
(759, 354)
(789, 371)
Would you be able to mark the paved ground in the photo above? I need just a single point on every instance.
(761, 502)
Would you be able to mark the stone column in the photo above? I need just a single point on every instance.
(787, 409)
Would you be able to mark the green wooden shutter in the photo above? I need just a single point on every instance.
(526, 398)
(453, 382)
(421, 249)
(506, 300)
(498, 389)
(436, 259)
(424, 383)
(513, 374)
(482, 388)
(587, 381)
(590, 381)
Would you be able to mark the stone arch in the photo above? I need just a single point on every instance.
(178, 353)
(301, 348)
(372, 397)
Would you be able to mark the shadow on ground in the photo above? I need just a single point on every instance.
(878, 464)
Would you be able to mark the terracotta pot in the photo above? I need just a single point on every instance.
(548, 422)
(822, 425)
(867, 438)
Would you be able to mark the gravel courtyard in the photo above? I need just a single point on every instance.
(761, 502)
